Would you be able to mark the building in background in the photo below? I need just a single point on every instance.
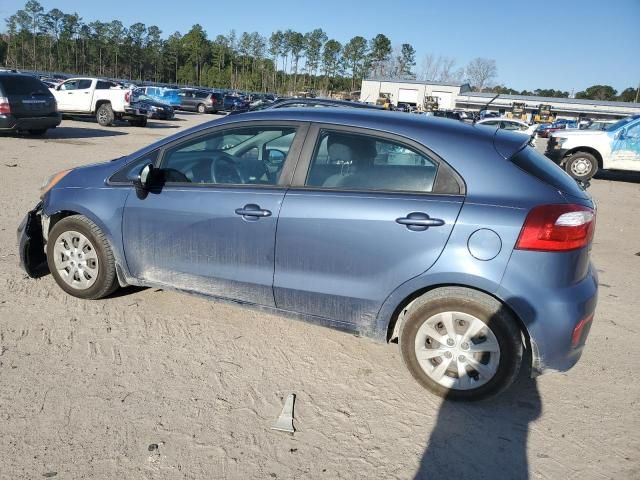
(412, 92)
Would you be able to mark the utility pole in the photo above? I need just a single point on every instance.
(637, 92)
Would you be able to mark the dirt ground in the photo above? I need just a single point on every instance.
(154, 384)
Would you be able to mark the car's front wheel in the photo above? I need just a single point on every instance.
(461, 344)
(581, 166)
(80, 258)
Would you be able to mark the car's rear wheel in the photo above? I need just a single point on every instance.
(581, 166)
(201, 108)
(461, 344)
(80, 258)
(105, 115)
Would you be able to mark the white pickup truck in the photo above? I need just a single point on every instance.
(102, 98)
(583, 152)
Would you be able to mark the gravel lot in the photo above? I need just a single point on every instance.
(155, 384)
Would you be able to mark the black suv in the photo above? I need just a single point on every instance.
(200, 101)
(26, 104)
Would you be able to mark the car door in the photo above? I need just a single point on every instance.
(365, 213)
(83, 96)
(625, 148)
(65, 94)
(209, 225)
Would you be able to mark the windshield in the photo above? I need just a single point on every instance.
(621, 123)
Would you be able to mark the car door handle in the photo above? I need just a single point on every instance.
(419, 221)
(253, 210)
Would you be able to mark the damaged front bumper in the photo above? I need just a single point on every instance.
(31, 242)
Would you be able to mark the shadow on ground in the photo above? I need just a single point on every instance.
(62, 132)
(486, 440)
(618, 176)
(160, 124)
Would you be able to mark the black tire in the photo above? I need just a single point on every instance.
(485, 308)
(38, 131)
(581, 166)
(106, 281)
(105, 115)
(201, 108)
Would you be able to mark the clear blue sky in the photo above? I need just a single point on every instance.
(563, 44)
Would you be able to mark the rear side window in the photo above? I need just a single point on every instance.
(84, 84)
(21, 85)
(101, 85)
(536, 164)
(348, 161)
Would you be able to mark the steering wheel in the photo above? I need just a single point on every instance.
(225, 170)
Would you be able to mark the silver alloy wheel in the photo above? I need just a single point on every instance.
(457, 350)
(102, 115)
(581, 167)
(76, 260)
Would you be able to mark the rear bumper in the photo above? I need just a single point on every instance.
(557, 317)
(33, 259)
(9, 122)
(556, 154)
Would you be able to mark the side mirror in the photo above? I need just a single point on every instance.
(142, 178)
(620, 134)
(275, 157)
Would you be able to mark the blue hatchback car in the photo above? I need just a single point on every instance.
(460, 243)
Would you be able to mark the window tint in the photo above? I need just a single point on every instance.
(237, 156)
(362, 162)
(84, 84)
(101, 85)
(544, 169)
(21, 85)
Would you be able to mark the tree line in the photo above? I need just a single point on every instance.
(55, 41)
(285, 61)
(594, 92)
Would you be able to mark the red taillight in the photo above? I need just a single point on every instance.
(5, 107)
(556, 228)
(580, 331)
(127, 96)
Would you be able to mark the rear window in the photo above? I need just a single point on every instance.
(536, 164)
(21, 85)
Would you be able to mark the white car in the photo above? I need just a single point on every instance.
(102, 98)
(582, 152)
(510, 124)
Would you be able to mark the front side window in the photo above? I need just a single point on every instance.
(362, 162)
(70, 85)
(239, 156)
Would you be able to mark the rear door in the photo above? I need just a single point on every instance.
(366, 212)
(28, 96)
